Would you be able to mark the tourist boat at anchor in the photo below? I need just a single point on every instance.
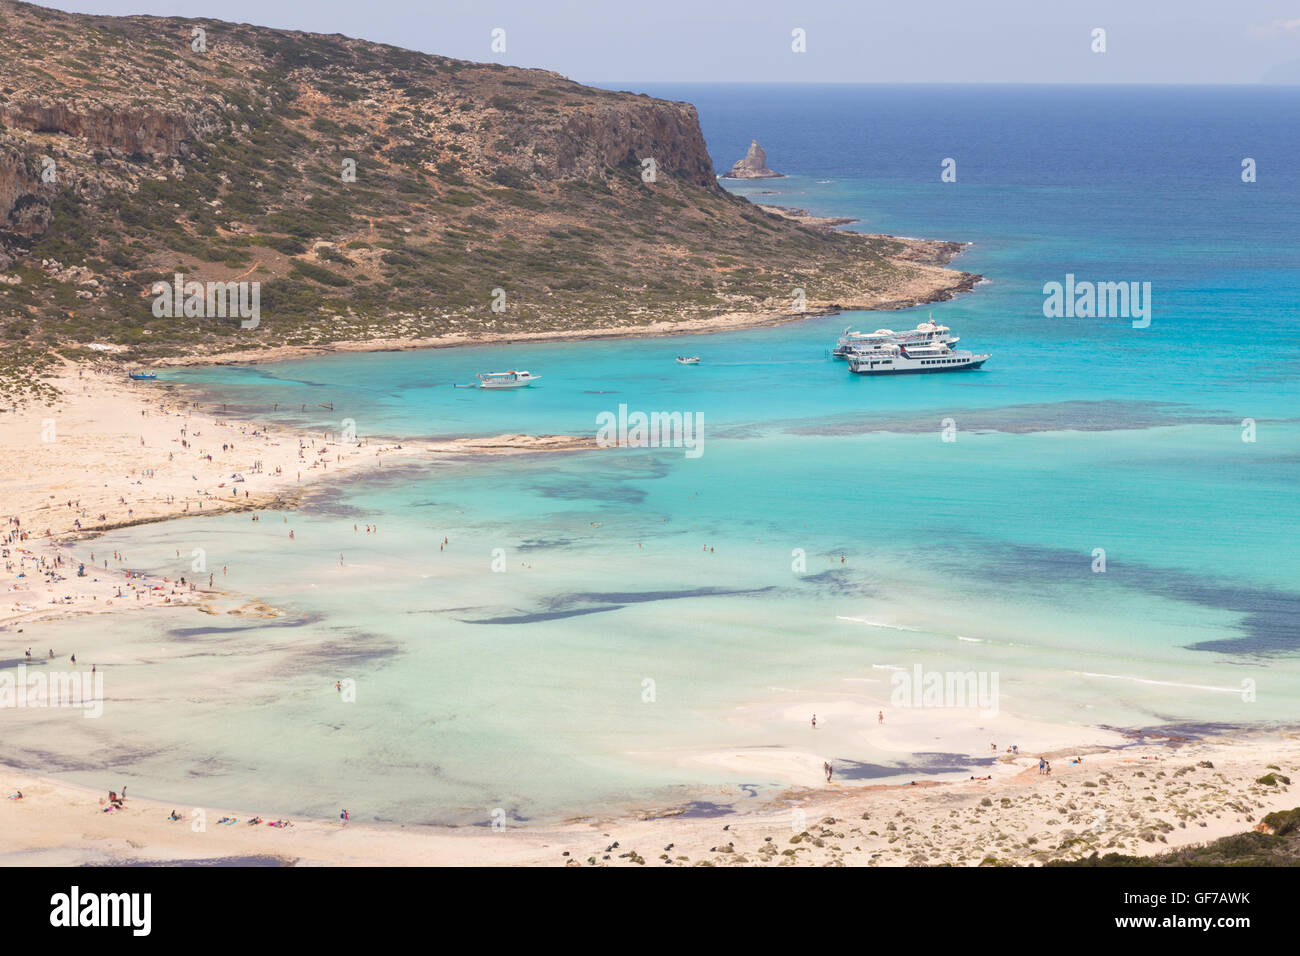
(688, 360)
(142, 376)
(928, 332)
(511, 379)
(895, 359)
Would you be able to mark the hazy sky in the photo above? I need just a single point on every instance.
(860, 41)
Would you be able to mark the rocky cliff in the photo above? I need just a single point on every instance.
(372, 192)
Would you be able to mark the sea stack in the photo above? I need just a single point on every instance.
(753, 166)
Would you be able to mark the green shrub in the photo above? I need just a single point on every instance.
(309, 270)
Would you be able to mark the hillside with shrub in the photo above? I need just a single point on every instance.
(131, 151)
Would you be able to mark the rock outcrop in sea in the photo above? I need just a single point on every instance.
(753, 166)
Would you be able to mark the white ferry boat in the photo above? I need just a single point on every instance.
(896, 359)
(688, 360)
(509, 379)
(927, 333)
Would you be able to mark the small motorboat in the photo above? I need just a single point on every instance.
(142, 376)
(688, 360)
(511, 379)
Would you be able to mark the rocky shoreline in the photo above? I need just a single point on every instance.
(930, 281)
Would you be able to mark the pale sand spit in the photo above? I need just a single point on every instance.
(112, 453)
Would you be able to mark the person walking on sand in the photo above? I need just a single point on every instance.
(814, 722)
(880, 717)
(827, 768)
(345, 817)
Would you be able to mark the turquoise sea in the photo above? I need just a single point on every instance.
(525, 689)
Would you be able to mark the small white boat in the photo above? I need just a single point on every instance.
(688, 360)
(511, 379)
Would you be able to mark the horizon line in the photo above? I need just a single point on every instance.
(1235, 83)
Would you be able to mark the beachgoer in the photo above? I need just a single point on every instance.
(880, 717)
(814, 721)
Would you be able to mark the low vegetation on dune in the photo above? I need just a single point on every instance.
(1274, 842)
(373, 193)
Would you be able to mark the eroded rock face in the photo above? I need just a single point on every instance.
(753, 166)
(668, 133)
(24, 199)
(131, 130)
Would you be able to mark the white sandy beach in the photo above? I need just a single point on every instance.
(1140, 800)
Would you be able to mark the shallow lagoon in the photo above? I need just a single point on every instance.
(525, 688)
